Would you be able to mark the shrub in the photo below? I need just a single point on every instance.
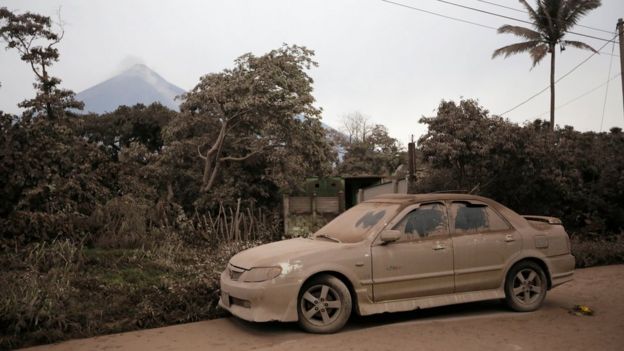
(598, 251)
(35, 296)
(59, 290)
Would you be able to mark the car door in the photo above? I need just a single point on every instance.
(420, 263)
(483, 242)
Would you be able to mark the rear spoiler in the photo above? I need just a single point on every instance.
(544, 219)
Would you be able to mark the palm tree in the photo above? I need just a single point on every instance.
(551, 20)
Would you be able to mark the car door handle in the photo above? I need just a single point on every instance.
(509, 238)
(439, 246)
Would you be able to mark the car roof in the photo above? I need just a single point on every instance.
(404, 200)
(414, 198)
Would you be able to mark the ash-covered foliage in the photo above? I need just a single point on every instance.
(124, 220)
(576, 176)
(51, 291)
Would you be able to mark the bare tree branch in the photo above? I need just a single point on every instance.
(255, 152)
(200, 154)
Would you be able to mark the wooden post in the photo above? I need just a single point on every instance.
(411, 167)
(286, 204)
(395, 186)
(341, 201)
(236, 221)
(620, 28)
(313, 204)
(360, 196)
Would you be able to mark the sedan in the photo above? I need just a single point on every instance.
(399, 253)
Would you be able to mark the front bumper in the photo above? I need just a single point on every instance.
(272, 300)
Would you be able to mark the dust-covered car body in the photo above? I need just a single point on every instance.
(400, 253)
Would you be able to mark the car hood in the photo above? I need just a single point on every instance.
(280, 252)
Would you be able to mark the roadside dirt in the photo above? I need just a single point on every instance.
(476, 326)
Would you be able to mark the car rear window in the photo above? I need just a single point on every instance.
(474, 218)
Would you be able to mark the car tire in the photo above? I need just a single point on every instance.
(324, 305)
(525, 287)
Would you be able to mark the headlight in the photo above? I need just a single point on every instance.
(260, 274)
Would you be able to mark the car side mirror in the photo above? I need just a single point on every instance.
(388, 236)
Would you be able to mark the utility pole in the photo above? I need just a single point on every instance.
(411, 167)
(620, 29)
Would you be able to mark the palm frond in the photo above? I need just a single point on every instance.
(548, 12)
(515, 48)
(549, 9)
(542, 23)
(551, 19)
(573, 10)
(534, 17)
(520, 31)
(538, 53)
(579, 45)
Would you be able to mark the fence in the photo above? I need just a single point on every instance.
(239, 224)
(310, 211)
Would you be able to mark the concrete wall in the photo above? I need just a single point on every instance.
(305, 214)
(394, 187)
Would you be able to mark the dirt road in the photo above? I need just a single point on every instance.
(476, 326)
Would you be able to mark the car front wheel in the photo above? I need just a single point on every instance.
(525, 287)
(324, 305)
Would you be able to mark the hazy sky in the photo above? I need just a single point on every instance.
(388, 62)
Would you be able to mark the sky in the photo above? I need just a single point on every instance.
(390, 63)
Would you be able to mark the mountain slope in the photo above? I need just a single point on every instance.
(138, 84)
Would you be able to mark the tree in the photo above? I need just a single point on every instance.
(127, 125)
(33, 37)
(578, 177)
(259, 112)
(552, 19)
(457, 138)
(52, 180)
(376, 154)
(367, 147)
(357, 126)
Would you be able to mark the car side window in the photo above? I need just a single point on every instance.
(476, 218)
(426, 221)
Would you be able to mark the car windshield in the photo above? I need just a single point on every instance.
(355, 224)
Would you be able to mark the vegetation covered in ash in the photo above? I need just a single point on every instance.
(124, 220)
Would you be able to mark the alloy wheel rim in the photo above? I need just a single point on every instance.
(321, 305)
(527, 286)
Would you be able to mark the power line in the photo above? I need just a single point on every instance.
(476, 23)
(582, 95)
(524, 11)
(490, 27)
(604, 104)
(439, 15)
(608, 53)
(502, 6)
(557, 81)
(512, 18)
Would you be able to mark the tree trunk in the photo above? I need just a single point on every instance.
(211, 160)
(552, 88)
(45, 85)
(215, 169)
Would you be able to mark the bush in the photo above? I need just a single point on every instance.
(598, 251)
(37, 291)
(578, 177)
(121, 222)
(61, 290)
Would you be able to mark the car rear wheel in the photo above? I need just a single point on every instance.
(324, 305)
(525, 287)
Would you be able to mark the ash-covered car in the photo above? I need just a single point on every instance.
(400, 253)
